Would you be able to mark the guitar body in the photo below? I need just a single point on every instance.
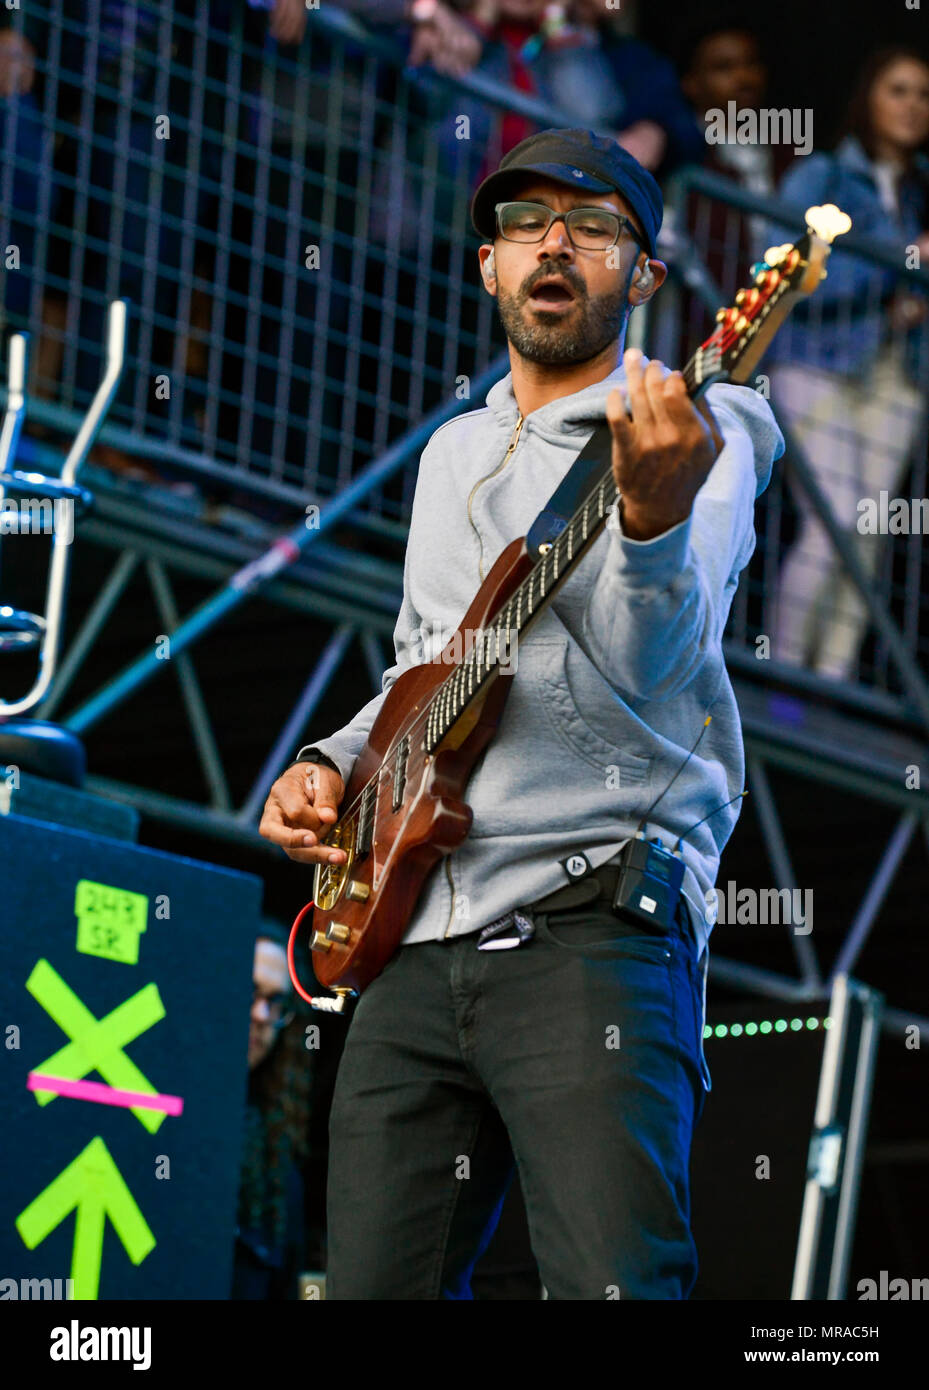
(369, 900)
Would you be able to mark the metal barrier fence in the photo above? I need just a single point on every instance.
(293, 244)
(291, 228)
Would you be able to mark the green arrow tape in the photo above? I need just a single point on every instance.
(93, 1186)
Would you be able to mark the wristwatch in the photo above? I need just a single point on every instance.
(313, 755)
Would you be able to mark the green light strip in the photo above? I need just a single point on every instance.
(776, 1025)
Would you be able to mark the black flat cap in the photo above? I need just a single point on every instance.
(579, 159)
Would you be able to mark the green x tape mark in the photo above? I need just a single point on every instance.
(96, 1044)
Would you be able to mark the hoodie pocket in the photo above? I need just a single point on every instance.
(523, 777)
(582, 711)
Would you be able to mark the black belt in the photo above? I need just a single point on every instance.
(515, 927)
(599, 885)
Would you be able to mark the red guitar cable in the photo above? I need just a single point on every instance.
(290, 955)
(318, 1001)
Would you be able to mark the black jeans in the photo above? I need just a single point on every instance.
(579, 1054)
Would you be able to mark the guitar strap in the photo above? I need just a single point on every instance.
(580, 479)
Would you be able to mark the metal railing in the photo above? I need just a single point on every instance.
(851, 436)
(293, 244)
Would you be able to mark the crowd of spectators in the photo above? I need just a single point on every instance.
(78, 104)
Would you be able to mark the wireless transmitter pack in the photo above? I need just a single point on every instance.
(649, 882)
(650, 875)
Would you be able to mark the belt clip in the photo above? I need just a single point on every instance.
(506, 933)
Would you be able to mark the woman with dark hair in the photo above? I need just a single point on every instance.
(850, 367)
(269, 1238)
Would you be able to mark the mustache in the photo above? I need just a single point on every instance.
(576, 285)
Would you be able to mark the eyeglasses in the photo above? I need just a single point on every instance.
(280, 1007)
(589, 229)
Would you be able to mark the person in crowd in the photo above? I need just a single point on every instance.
(574, 57)
(722, 60)
(848, 373)
(269, 1237)
(638, 87)
(445, 36)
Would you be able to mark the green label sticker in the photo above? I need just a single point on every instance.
(109, 921)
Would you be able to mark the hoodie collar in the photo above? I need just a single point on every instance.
(566, 416)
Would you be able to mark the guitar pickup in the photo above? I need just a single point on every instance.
(401, 757)
(366, 812)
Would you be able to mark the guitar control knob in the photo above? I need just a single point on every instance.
(338, 931)
(358, 892)
(319, 943)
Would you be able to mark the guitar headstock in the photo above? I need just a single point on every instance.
(787, 273)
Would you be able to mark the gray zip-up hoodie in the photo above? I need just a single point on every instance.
(614, 681)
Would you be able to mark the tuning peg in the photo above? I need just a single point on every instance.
(827, 221)
(775, 254)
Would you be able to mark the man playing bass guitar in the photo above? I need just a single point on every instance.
(530, 1017)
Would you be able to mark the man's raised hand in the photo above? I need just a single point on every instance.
(662, 456)
(301, 807)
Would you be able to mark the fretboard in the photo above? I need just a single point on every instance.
(494, 648)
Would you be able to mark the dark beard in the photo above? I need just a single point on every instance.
(599, 323)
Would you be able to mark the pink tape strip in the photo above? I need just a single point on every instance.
(104, 1095)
